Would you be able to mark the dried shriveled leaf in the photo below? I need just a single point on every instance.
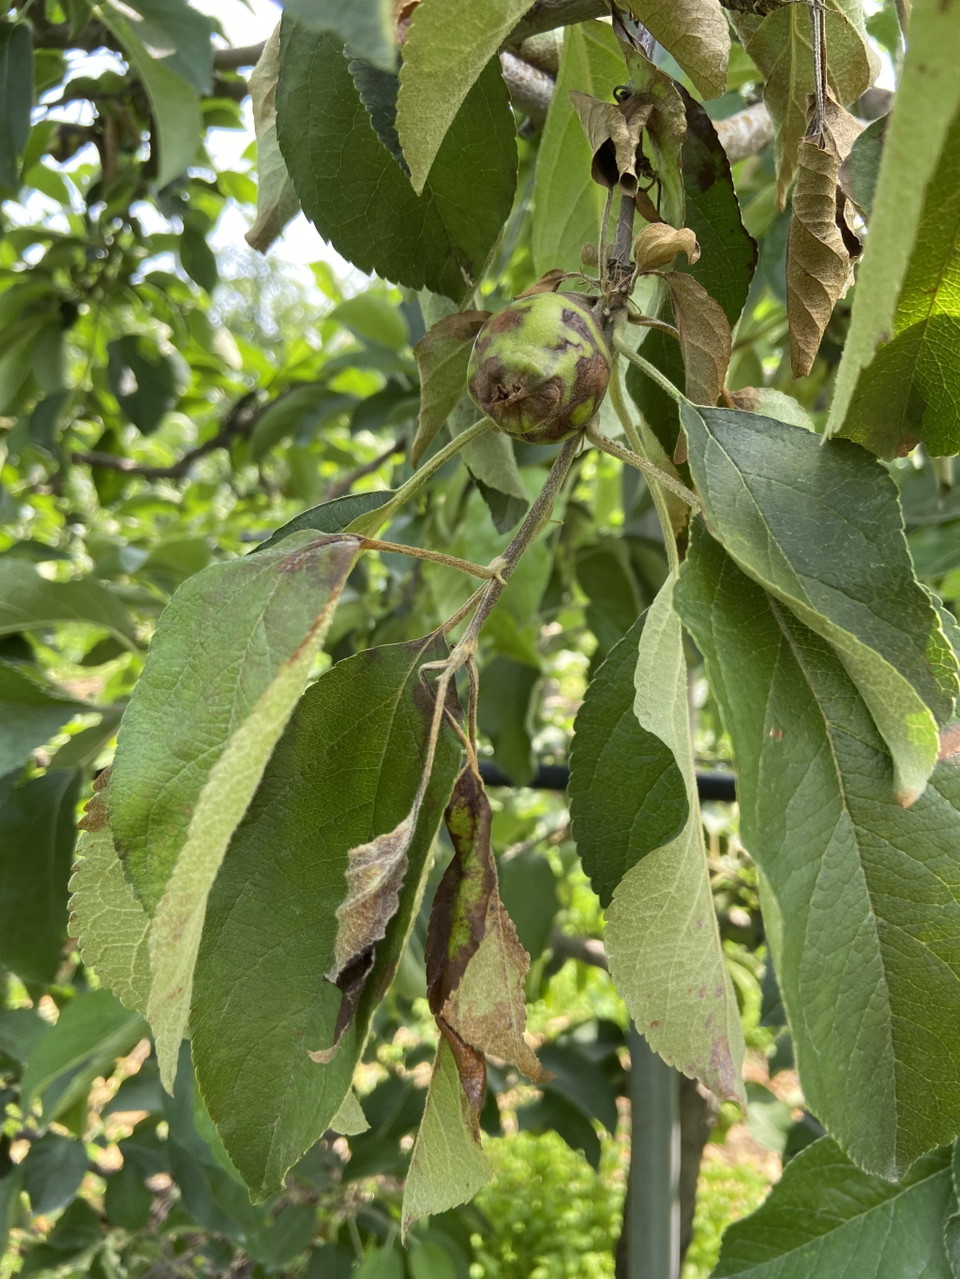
(821, 245)
(476, 966)
(550, 281)
(666, 131)
(695, 32)
(614, 132)
(447, 1167)
(277, 201)
(780, 45)
(705, 337)
(375, 874)
(658, 244)
(442, 356)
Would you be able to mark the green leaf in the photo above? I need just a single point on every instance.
(143, 379)
(226, 667)
(442, 356)
(569, 203)
(367, 26)
(447, 1166)
(781, 46)
(820, 527)
(504, 714)
(16, 98)
(197, 258)
(728, 253)
(627, 795)
(93, 1029)
(106, 917)
(867, 892)
(336, 778)
(928, 100)
(825, 1216)
(29, 602)
(448, 44)
(277, 202)
(31, 711)
(53, 1168)
(697, 35)
(332, 516)
(358, 196)
(174, 102)
(37, 834)
(662, 937)
(910, 392)
(177, 36)
(373, 318)
(491, 461)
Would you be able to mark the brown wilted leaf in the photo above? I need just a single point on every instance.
(614, 131)
(442, 357)
(375, 873)
(705, 337)
(476, 967)
(821, 245)
(658, 244)
(549, 282)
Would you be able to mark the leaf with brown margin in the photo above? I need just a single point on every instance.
(442, 356)
(614, 132)
(821, 245)
(476, 966)
(705, 337)
(375, 874)
(697, 35)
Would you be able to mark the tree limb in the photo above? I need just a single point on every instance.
(239, 423)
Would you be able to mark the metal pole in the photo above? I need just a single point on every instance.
(652, 1221)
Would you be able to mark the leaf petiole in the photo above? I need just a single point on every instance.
(613, 449)
(370, 523)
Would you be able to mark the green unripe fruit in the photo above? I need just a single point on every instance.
(540, 367)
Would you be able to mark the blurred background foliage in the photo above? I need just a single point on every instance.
(163, 404)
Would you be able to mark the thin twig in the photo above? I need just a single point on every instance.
(346, 482)
(239, 423)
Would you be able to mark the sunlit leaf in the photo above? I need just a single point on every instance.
(446, 48)
(821, 528)
(662, 937)
(226, 667)
(844, 861)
